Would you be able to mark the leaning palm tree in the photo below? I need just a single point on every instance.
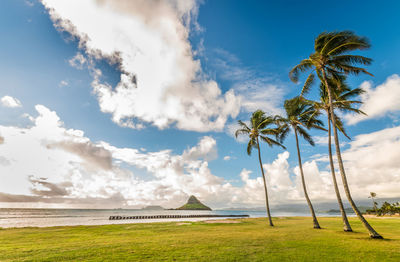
(343, 100)
(260, 129)
(300, 116)
(331, 60)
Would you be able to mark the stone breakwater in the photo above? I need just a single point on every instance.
(173, 216)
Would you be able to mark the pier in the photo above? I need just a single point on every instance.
(174, 216)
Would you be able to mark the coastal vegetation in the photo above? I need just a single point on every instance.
(386, 209)
(245, 240)
(331, 63)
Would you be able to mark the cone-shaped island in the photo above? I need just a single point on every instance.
(193, 204)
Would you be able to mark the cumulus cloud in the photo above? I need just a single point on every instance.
(161, 82)
(9, 101)
(227, 158)
(95, 156)
(206, 149)
(372, 163)
(379, 101)
(50, 164)
(41, 187)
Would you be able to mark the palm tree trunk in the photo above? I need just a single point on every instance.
(372, 232)
(315, 221)
(346, 224)
(376, 211)
(265, 185)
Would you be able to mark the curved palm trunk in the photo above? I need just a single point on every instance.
(346, 224)
(372, 232)
(315, 221)
(265, 185)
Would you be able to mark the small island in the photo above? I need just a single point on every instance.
(153, 208)
(193, 204)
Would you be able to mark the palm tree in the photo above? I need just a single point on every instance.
(342, 101)
(260, 129)
(331, 60)
(299, 117)
(372, 195)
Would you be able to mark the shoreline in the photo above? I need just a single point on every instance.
(107, 222)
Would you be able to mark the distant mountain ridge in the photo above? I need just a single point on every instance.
(153, 208)
(193, 204)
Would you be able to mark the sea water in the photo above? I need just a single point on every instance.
(24, 217)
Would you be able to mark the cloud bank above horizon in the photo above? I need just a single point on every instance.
(46, 163)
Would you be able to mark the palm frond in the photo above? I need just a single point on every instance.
(350, 44)
(303, 133)
(329, 40)
(351, 93)
(307, 85)
(241, 132)
(340, 126)
(304, 65)
(271, 142)
(348, 69)
(252, 144)
(350, 59)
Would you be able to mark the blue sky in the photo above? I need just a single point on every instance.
(240, 48)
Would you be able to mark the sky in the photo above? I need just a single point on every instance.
(109, 104)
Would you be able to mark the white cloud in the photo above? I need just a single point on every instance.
(323, 141)
(63, 83)
(9, 101)
(206, 149)
(161, 82)
(278, 179)
(372, 163)
(227, 158)
(48, 163)
(379, 101)
(78, 61)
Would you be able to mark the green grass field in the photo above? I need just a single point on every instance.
(292, 239)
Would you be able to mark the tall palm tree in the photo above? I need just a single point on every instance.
(330, 60)
(260, 129)
(299, 117)
(372, 195)
(342, 101)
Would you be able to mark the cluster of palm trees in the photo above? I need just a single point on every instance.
(331, 63)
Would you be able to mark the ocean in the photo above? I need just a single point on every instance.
(24, 217)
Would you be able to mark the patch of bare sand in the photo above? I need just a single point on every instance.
(384, 217)
(183, 223)
(224, 221)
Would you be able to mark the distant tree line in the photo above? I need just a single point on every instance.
(386, 209)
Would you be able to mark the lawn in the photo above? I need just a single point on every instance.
(292, 239)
